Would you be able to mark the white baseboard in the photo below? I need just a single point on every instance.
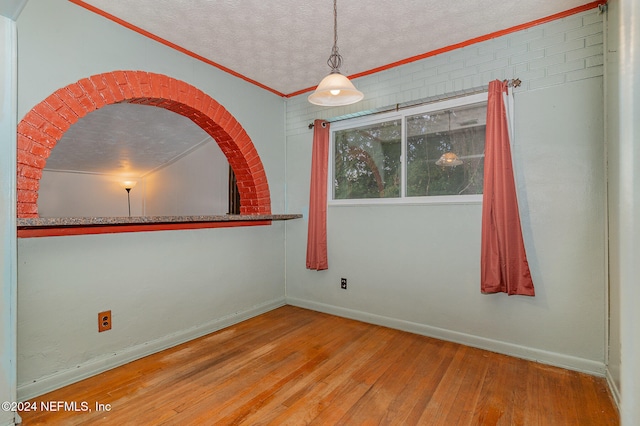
(615, 392)
(107, 362)
(16, 421)
(551, 358)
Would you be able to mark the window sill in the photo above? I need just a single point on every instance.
(64, 226)
(409, 201)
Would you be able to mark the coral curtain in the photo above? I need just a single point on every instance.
(504, 267)
(317, 233)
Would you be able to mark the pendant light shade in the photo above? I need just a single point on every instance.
(335, 89)
(449, 159)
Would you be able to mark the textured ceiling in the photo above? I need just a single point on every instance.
(282, 45)
(127, 140)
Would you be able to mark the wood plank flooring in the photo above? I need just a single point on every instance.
(293, 366)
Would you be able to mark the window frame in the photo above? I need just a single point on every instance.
(402, 115)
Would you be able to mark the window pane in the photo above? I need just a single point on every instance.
(456, 136)
(367, 161)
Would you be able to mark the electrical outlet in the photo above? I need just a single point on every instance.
(343, 283)
(104, 321)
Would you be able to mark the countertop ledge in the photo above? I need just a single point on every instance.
(55, 222)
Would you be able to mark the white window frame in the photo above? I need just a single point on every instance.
(402, 115)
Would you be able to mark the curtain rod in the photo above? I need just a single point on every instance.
(515, 82)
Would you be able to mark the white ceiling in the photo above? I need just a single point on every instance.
(280, 44)
(126, 140)
(284, 44)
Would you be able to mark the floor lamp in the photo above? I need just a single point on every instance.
(128, 185)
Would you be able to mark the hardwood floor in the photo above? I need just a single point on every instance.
(292, 366)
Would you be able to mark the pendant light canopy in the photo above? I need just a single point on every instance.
(335, 89)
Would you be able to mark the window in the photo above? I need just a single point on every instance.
(429, 153)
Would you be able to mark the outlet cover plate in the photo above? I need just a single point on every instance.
(104, 321)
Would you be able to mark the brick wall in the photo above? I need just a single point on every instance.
(43, 126)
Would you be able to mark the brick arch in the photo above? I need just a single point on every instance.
(42, 127)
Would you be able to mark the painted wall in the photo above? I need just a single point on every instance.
(627, 225)
(64, 194)
(612, 101)
(8, 122)
(417, 267)
(162, 287)
(195, 184)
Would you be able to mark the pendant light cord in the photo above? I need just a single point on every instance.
(335, 60)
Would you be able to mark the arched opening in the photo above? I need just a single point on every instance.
(44, 125)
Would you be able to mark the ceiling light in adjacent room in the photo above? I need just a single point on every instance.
(449, 159)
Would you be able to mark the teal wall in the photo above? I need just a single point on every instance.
(7, 216)
(417, 267)
(162, 287)
(412, 267)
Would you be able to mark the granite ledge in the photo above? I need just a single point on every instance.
(55, 222)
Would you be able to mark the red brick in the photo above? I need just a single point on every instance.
(29, 171)
(201, 121)
(120, 77)
(173, 90)
(163, 86)
(71, 102)
(63, 111)
(54, 102)
(28, 184)
(31, 132)
(27, 196)
(174, 107)
(40, 150)
(213, 110)
(87, 103)
(251, 155)
(98, 81)
(127, 92)
(103, 88)
(183, 92)
(224, 120)
(27, 209)
(53, 131)
(133, 84)
(107, 96)
(114, 87)
(26, 158)
(234, 128)
(263, 194)
(243, 137)
(259, 178)
(24, 143)
(145, 84)
(198, 99)
(92, 93)
(192, 94)
(189, 112)
(244, 142)
(52, 116)
(75, 90)
(34, 119)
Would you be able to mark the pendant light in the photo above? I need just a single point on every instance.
(335, 89)
(449, 159)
